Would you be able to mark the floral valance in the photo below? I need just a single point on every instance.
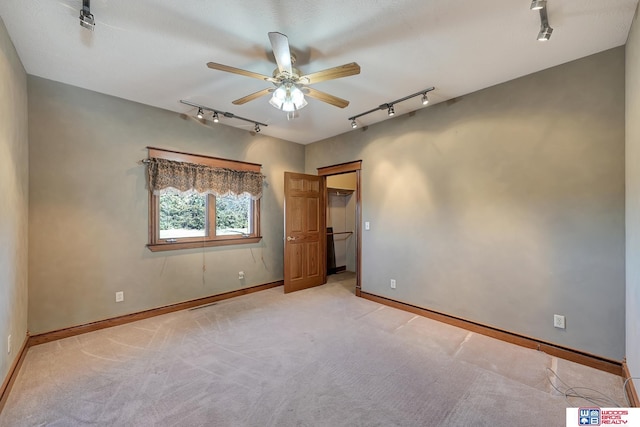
(166, 175)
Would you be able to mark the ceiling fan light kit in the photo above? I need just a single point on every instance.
(545, 29)
(389, 106)
(215, 116)
(290, 84)
(288, 97)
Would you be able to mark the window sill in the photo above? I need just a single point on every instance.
(159, 247)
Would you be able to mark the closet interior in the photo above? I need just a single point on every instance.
(341, 223)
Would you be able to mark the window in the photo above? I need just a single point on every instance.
(184, 215)
(198, 201)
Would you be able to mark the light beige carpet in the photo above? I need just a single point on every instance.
(320, 357)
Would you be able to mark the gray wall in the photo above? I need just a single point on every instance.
(14, 188)
(89, 208)
(633, 197)
(504, 206)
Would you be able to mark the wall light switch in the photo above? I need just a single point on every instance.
(367, 226)
(9, 344)
(558, 321)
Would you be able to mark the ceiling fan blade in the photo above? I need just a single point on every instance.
(331, 73)
(234, 70)
(253, 96)
(325, 97)
(281, 51)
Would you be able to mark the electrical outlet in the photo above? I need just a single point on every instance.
(393, 283)
(240, 275)
(119, 296)
(558, 321)
(9, 344)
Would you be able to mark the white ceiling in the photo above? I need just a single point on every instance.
(154, 51)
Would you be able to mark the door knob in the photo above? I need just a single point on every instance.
(290, 239)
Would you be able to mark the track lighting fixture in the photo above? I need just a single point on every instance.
(86, 18)
(545, 33)
(217, 113)
(545, 28)
(538, 4)
(389, 106)
(391, 111)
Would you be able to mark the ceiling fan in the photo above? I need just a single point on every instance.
(290, 84)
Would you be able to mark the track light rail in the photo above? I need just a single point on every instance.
(224, 114)
(389, 105)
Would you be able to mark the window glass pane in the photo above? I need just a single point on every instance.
(183, 215)
(233, 214)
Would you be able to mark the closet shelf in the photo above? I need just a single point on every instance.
(340, 191)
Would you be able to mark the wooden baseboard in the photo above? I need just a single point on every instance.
(13, 373)
(584, 358)
(630, 389)
(128, 318)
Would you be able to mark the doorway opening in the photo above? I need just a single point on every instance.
(343, 222)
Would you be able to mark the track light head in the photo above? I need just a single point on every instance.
(257, 128)
(425, 99)
(545, 28)
(538, 4)
(200, 114)
(87, 21)
(545, 33)
(354, 124)
(391, 111)
(86, 17)
(216, 119)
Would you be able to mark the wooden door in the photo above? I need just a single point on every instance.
(305, 235)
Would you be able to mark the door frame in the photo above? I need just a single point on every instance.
(339, 169)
